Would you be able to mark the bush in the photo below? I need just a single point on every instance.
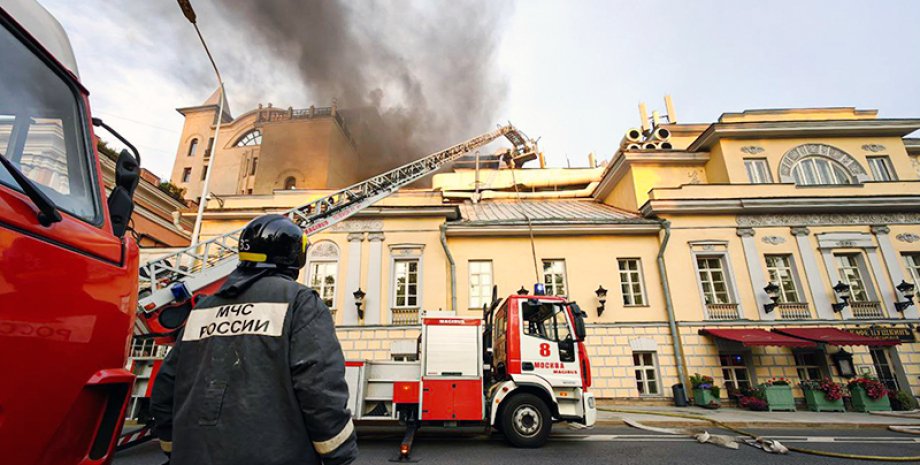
(902, 400)
(753, 403)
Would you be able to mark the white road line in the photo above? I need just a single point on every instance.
(790, 439)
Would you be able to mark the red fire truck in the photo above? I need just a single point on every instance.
(68, 274)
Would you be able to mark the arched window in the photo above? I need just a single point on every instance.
(192, 147)
(290, 183)
(253, 137)
(818, 170)
(322, 269)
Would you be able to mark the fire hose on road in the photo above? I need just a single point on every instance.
(761, 440)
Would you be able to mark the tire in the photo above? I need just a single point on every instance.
(526, 421)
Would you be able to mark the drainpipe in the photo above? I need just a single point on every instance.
(669, 305)
(453, 269)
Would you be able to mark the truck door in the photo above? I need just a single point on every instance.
(547, 344)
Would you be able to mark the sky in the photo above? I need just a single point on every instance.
(571, 72)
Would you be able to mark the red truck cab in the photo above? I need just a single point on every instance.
(68, 273)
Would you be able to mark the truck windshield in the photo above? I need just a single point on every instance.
(545, 320)
(41, 131)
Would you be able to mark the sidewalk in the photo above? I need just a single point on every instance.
(746, 418)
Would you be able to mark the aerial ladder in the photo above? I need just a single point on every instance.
(171, 282)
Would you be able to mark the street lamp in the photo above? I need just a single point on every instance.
(843, 295)
(359, 302)
(189, 13)
(772, 291)
(907, 291)
(601, 299)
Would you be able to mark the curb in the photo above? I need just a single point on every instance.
(753, 425)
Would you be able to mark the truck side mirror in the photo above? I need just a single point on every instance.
(579, 315)
(121, 201)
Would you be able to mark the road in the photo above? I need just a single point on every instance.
(606, 445)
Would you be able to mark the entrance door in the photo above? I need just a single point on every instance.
(883, 368)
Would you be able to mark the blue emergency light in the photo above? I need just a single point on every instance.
(539, 289)
(180, 292)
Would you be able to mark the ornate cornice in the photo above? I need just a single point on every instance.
(357, 226)
(815, 219)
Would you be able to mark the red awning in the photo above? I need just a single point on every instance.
(837, 337)
(757, 337)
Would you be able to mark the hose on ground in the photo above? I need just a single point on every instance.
(801, 450)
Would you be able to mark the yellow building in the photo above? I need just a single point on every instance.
(684, 241)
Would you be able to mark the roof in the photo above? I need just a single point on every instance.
(38, 22)
(544, 212)
(836, 337)
(757, 337)
(899, 127)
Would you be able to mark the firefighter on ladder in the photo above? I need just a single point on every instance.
(257, 374)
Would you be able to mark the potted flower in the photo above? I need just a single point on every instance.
(705, 393)
(824, 395)
(753, 403)
(778, 394)
(869, 395)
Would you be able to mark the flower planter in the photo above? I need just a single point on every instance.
(818, 402)
(862, 402)
(703, 397)
(779, 397)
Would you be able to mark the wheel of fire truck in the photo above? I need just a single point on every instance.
(526, 421)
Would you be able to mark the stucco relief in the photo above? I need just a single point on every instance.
(827, 219)
(806, 150)
(324, 249)
(752, 149)
(874, 148)
(358, 226)
(773, 240)
(910, 238)
(916, 162)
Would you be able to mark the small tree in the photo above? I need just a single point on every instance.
(173, 190)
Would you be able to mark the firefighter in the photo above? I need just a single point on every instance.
(257, 374)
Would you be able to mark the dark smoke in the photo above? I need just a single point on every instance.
(415, 76)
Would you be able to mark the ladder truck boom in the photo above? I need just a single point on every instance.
(175, 277)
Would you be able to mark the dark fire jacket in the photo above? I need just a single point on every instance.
(257, 376)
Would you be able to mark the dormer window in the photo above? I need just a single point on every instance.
(818, 170)
(253, 137)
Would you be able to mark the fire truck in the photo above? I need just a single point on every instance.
(68, 272)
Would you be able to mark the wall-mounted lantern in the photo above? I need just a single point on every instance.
(522, 291)
(843, 360)
(907, 291)
(843, 295)
(359, 302)
(772, 291)
(601, 299)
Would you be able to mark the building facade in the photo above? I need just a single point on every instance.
(684, 241)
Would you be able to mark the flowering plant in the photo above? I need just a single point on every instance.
(874, 388)
(777, 382)
(701, 381)
(832, 391)
(753, 403)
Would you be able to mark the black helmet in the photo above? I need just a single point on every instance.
(273, 241)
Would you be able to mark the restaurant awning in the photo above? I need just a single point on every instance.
(834, 336)
(757, 337)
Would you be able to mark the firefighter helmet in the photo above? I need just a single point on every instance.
(273, 241)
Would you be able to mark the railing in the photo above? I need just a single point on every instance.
(722, 311)
(147, 348)
(866, 310)
(271, 114)
(794, 311)
(405, 316)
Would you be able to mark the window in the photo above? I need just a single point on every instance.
(545, 320)
(252, 170)
(779, 267)
(881, 168)
(712, 280)
(631, 281)
(204, 172)
(883, 367)
(851, 271)
(192, 147)
(812, 171)
(808, 365)
(322, 280)
(42, 132)
(207, 150)
(734, 371)
(253, 137)
(912, 260)
(290, 183)
(554, 276)
(646, 373)
(758, 170)
(186, 174)
(480, 283)
(405, 283)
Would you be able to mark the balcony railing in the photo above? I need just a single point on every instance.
(794, 311)
(405, 316)
(722, 311)
(866, 310)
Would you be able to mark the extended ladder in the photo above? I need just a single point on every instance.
(177, 276)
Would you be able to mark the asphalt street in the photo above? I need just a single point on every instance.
(604, 445)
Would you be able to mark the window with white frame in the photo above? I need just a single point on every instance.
(713, 280)
(735, 371)
(881, 168)
(323, 269)
(631, 285)
(405, 283)
(480, 283)
(554, 276)
(758, 170)
(912, 260)
(808, 365)
(853, 273)
(253, 137)
(818, 170)
(782, 273)
(646, 367)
